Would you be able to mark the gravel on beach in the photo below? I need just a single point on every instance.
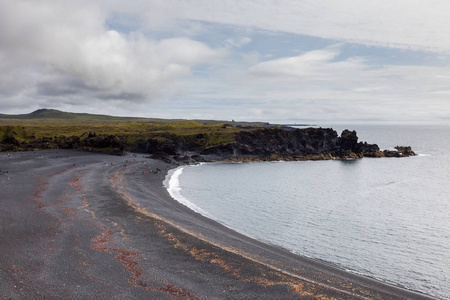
(79, 225)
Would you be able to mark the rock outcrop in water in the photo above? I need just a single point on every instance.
(272, 144)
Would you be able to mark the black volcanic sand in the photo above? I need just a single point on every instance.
(77, 225)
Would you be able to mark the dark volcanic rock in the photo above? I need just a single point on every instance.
(349, 140)
(256, 144)
(367, 148)
(405, 150)
(157, 146)
(349, 146)
(102, 143)
(267, 143)
(402, 151)
(9, 143)
(282, 142)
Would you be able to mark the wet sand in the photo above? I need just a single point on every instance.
(77, 225)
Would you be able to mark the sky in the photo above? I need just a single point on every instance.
(277, 61)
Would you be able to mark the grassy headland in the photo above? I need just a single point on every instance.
(51, 129)
(180, 140)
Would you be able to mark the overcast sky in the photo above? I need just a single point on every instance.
(285, 61)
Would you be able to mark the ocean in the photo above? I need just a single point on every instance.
(386, 218)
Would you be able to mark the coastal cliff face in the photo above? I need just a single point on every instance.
(181, 141)
(223, 142)
(298, 144)
(271, 144)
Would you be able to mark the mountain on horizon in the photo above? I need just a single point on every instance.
(45, 113)
(53, 115)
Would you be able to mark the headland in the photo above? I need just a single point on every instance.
(182, 141)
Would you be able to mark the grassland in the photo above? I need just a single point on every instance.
(45, 129)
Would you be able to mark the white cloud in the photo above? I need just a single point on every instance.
(313, 65)
(421, 25)
(239, 42)
(402, 23)
(321, 72)
(111, 56)
(318, 86)
(63, 48)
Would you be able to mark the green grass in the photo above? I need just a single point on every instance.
(56, 117)
(27, 129)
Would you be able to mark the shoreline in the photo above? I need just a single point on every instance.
(316, 260)
(106, 227)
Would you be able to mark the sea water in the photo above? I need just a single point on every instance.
(387, 218)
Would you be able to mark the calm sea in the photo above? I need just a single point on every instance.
(387, 218)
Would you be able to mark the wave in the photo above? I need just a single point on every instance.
(172, 184)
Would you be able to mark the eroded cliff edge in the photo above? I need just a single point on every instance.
(180, 141)
(270, 144)
(189, 141)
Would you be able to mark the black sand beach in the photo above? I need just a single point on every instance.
(77, 225)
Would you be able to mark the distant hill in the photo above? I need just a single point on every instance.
(53, 115)
(80, 117)
(49, 113)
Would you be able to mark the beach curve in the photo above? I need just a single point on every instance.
(76, 224)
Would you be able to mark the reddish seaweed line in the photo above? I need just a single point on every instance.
(42, 187)
(74, 183)
(298, 283)
(39, 188)
(132, 266)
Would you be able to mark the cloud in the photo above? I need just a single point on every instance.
(324, 86)
(404, 24)
(239, 42)
(312, 65)
(63, 48)
(256, 60)
(420, 25)
(323, 72)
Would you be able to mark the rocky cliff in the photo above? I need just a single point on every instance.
(270, 144)
(216, 144)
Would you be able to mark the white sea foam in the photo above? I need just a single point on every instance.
(172, 184)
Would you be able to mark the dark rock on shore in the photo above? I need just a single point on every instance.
(298, 144)
(9, 143)
(103, 143)
(401, 152)
(271, 144)
(266, 142)
(349, 141)
(255, 144)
